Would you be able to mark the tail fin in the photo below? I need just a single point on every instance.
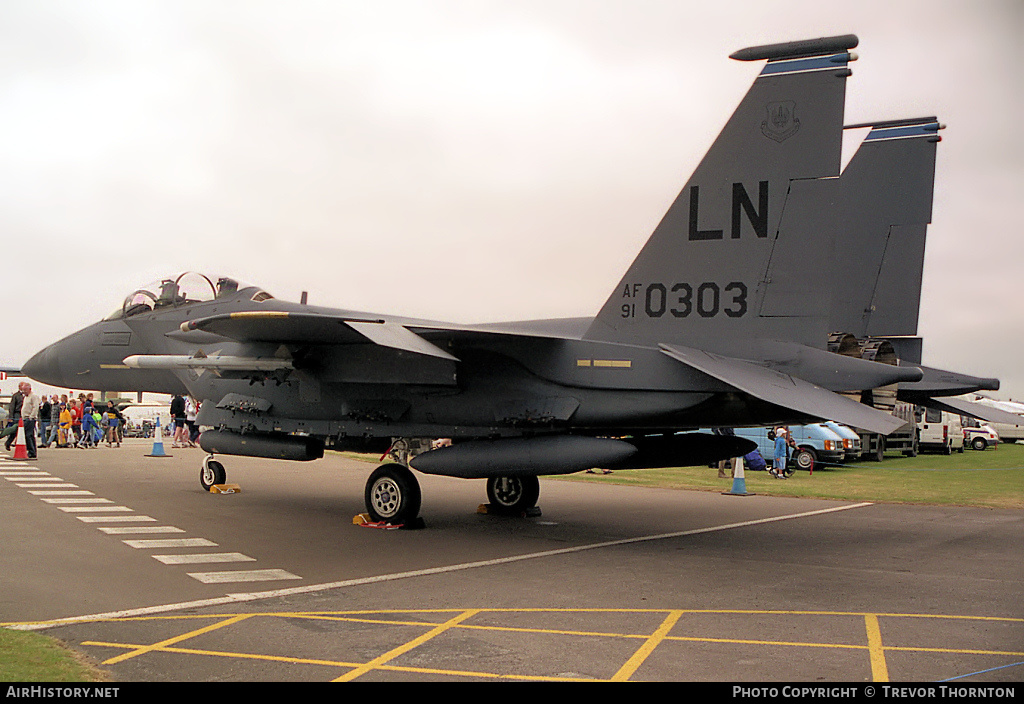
(879, 249)
(701, 274)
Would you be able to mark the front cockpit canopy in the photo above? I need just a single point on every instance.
(184, 289)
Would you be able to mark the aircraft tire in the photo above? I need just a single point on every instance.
(392, 494)
(513, 495)
(212, 472)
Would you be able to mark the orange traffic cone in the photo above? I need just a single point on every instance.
(20, 449)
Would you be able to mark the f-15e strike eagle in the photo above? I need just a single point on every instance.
(724, 319)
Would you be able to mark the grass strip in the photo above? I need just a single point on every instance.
(31, 657)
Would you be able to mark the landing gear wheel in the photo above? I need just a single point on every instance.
(805, 459)
(392, 494)
(513, 495)
(212, 473)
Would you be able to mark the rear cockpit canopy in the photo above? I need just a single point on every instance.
(184, 289)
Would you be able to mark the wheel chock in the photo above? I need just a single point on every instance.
(489, 509)
(363, 521)
(225, 489)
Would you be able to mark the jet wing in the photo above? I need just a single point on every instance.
(314, 328)
(785, 390)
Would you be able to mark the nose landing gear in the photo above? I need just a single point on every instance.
(212, 472)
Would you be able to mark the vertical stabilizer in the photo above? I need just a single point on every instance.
(700, 277)
(879, 250)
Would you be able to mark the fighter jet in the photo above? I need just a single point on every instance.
(723, 319)
(884, 206)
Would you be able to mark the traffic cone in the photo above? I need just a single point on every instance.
(20, 449)
(739, 482)
(158, 442)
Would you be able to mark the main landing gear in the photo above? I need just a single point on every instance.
(393, 496)
(513, 495)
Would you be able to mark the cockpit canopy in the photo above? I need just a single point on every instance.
(184, 289)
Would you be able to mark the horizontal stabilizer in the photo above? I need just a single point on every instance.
(974, 410)
(215, 362)
(785, 390)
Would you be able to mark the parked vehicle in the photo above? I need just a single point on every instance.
(816, 444)
(1005, 431)
(939, 431)
(851, 440)
(978, 436)
(874, 446)
(135, 414)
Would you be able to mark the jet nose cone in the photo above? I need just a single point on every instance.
(43, 367)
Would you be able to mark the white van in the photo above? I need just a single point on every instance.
(939, 431)
(979, 436)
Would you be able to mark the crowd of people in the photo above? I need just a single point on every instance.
(82, 422)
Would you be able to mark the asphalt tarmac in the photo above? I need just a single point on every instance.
(128, 560)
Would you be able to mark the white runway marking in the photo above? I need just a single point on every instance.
(114, 519)
(46, 486)
(70, 498)
(81, 509)
(242, 576)
(129, 530)
(204, 558)
(255, 596)
(96, 500)
(174, 543)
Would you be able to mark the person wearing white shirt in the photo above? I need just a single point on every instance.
(29, 414)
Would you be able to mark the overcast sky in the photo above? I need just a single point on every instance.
(464, 160)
